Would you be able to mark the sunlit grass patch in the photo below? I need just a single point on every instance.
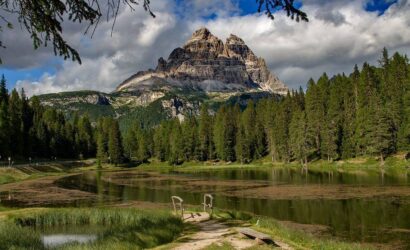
(8, 175)
(299, 239)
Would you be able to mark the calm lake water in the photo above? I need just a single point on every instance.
(383, 217)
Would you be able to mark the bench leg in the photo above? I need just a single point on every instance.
(259, 241)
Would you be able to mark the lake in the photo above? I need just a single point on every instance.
(362, 206)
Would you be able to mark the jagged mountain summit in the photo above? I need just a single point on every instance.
(204, 70)
(206, 63)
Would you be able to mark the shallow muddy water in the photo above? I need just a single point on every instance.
(363, 206)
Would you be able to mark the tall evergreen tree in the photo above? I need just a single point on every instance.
(4, 94)
(331, 131)
(115, 150)
(205, 134)
(315, 112)
(176, 154)
(16, 126)
(301, 141)
(27, 123)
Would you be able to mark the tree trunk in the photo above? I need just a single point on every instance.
(381, 159)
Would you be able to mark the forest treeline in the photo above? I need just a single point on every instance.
(366, 113)
(28, 130)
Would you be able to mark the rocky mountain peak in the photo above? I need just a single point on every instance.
(206, 63)
(203, 44)
(201, 34)
(234, 40)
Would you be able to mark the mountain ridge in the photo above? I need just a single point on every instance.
(206, 63)
(203, 70)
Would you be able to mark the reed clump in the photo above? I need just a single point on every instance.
(117, 228)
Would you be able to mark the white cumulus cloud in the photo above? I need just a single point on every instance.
(339, 35)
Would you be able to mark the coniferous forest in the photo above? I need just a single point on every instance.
(366, 113)
(28, 130)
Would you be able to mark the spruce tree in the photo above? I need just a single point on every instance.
(331, 130)
(248, 120)
(219, 132)
(4, 95)
(101, 151)
(5, 139)
(205, 134)
(379, 135)
(315, 113)
(242, 146)
(301, 141)
(130, 142)
(190, 138)
(27, 123)
(16, 126)
(143, 151)
(115, 150)
(175, 144)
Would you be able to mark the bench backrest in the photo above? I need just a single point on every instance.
(178, 201)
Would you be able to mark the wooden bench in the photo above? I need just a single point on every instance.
(258, 236)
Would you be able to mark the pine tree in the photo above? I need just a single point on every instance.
(205, 134)
(404, 132)
(27, 123)
(130, 142)
(15, 130)
(219, 133)
(101, 152)
(331, 130)
(368, 103)
(161, 141)
(301, 141)
(4, 96)
(5, 149)
(242, 146)
(175, 144)
(115, 150)
(143, 151)
(348, 123)
(281, 130)
(190, 139)
(315, 113)
(248, 120)
(379, 135)
(394, 75)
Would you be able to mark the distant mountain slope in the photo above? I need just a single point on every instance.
(148, 109)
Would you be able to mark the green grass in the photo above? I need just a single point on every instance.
(301, 240)
(117, 228)
(293, 237)
(8, 175)
(393, 165)
(13, 236)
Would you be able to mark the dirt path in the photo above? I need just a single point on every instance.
(213, 232)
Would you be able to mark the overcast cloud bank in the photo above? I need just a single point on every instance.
(339, 35)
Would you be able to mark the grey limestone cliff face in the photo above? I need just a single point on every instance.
(208, 64)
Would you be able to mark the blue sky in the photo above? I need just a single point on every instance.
(232, 13)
